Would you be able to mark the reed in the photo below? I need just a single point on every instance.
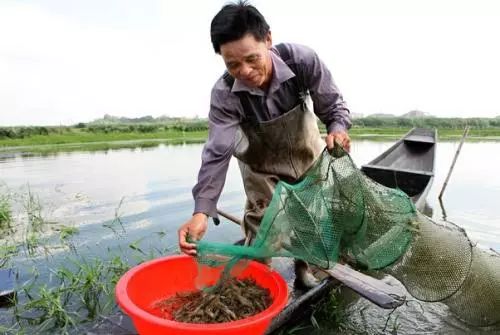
(5, 213)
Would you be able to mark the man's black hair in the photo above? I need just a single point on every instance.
(234, 21)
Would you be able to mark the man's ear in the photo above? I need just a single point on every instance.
(269, 40)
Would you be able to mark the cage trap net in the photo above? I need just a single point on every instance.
(336, 212)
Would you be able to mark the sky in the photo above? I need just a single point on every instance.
(70, 61)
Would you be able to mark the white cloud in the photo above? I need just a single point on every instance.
(387, 56)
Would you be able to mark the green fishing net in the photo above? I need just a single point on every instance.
(336, 212)
(333, 210)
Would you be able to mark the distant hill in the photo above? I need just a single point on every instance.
(356, 115)
(381, 115)
(415, 114)
(410, 115)
(110, 119)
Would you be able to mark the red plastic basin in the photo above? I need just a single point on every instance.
(142, 286)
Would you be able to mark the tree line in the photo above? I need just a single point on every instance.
(190, 125)
(24, 132)
(427, 122)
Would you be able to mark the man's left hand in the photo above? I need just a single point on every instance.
(341, 137)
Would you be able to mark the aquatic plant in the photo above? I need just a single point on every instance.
(5, 212)
(7, 251)
(327, 315)
(34, 215)
(65, 292)
(65, 232)
(83, 291)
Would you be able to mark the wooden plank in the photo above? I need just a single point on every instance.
(392, 169)
(375, 290)
(420, 138)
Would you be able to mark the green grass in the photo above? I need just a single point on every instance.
(79, 288)
(7, 251)
(82, 289)
(77, 136)
(5, 213)
(376, 133)
(327, 317)
(443, 134)
(77, 139)
(66, 232)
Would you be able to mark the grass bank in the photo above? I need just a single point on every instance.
(74, 139)
(78, 136)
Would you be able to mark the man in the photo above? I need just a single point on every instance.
(258, 114)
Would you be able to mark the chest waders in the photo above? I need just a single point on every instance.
(280, 149)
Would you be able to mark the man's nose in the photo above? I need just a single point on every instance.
(245, 70)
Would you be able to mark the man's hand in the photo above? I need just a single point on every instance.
(195, 228)
(340, 137)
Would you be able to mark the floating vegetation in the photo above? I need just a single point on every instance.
(232, 299)
(7, 251)
(116, 225)
(66, 232)
(80, 290)
(35, 220)
(84, 290)
(64, 291)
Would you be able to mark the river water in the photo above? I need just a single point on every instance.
(149, 190)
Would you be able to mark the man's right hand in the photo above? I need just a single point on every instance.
(195, 228)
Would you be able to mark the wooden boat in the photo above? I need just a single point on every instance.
(7, 291)
(408, 165)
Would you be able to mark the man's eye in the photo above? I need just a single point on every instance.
(232, 65)
(252, 59)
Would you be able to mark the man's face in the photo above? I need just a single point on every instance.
(249, 60)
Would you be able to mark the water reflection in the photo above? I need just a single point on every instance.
(50, 150)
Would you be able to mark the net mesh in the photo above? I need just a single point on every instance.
(336, 211)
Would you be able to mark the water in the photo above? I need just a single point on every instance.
(149, 190)
(470, 201)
